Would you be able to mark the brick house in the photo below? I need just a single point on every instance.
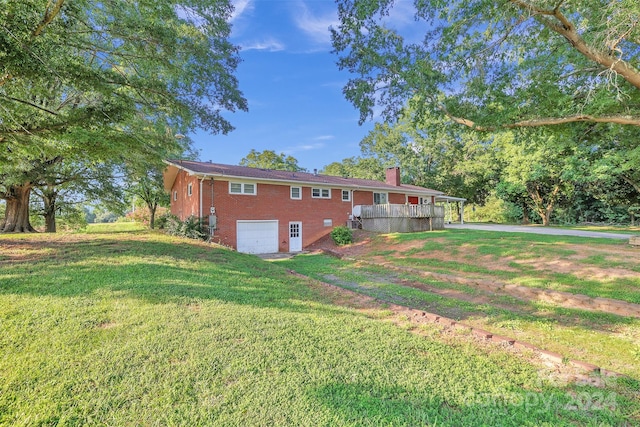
(261, 211)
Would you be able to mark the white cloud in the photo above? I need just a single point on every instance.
(304, 147)
(239, 7)
(324, 138)
(315, 26)
(401, 15)
(272, 45)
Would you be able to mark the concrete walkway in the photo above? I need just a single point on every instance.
(539, 230)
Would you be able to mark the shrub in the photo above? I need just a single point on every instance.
(342, 235)
(191, 227)
(161, 220)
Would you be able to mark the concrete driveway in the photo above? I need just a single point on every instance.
(539, 230)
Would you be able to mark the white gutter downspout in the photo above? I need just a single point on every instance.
(352, 191)
(201, 180)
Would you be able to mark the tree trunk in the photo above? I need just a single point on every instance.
(16, 217)
(152, 214)
(525, 214)
(542, 208)
(49, 200)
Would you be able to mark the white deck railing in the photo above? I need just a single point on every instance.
(401, 211)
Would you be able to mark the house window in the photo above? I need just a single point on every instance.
(175, 196)
(320, 193)
(242, 188)
(346, 195)
(380, 198)
(189, 189)
(296, 193)
(327, 222)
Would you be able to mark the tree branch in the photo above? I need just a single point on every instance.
(31, 104)
(546, 121)
(566, 29)
(631, 182)
(49, 14)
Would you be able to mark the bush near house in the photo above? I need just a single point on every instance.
(342, 235)
(191, 227)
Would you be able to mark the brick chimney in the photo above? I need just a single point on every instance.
(393, 176)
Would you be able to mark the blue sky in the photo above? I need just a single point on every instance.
(293, 86)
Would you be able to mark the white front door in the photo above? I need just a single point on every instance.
(295, 236)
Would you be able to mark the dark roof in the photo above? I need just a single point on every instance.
(216, 169)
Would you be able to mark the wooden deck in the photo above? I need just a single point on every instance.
(390, 218)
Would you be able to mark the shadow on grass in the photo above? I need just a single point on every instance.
(368, 404)
(153, 271)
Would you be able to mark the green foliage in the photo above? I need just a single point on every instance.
(143, 216)
(147, 185)
(357, 167)
(90, 83)
(163, 219)
(342, 235)
(103, 215)
(268, 159)
(488, 65)
(431, 153)
(494, 210)
(191, 228)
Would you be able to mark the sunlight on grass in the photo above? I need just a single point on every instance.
(580, 334)
(115, 227)
(145, 329)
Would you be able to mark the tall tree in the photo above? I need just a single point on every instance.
(149, 188)
(357, 167)
(490, 65)
(68, 183)
(433, 153)
(268, 159)
(544, 165)
(109, 79)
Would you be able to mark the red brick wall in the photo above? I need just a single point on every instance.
(393, 176)
(185, 205)
(272, 202)
(397, 199)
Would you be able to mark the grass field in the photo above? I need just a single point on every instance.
(144, 329)
(592, 267)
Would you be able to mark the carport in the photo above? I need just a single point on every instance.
(447, 201)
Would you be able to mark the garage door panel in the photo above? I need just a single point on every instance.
(257, 237)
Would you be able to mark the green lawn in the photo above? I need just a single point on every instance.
(144, 329)
(526, 251)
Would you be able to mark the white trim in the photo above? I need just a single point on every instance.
(201, 198)
(175, 195)
(243, 188)
(321, 190)
(299, 238)
(190, 189)
(386, 196)
(342, 192)
(299, 192)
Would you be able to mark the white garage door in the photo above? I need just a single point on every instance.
(257, 237)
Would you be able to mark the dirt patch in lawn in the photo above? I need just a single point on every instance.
(553, 365)
(609, 262)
